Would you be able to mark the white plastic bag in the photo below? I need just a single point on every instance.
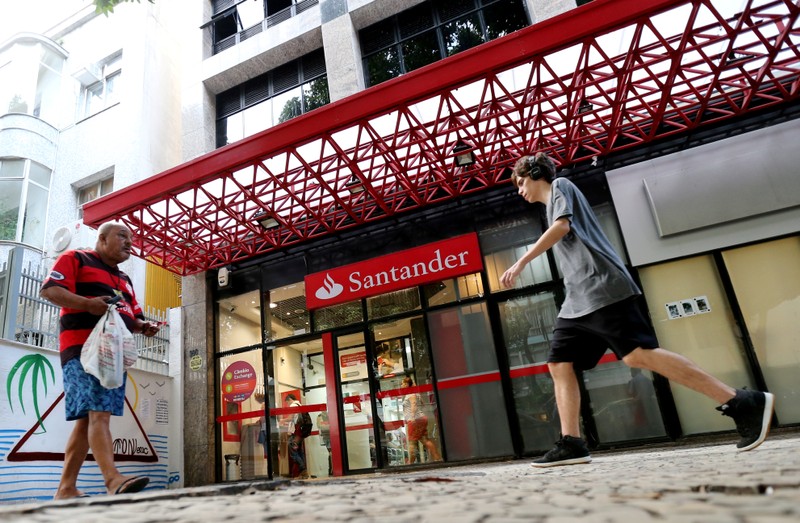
(109, 350)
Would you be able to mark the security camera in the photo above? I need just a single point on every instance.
(223, 277)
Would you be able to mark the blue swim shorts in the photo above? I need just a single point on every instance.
(83, 392)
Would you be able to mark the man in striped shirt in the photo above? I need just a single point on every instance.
(81, 283)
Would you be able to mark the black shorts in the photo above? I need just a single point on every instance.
(621, 327)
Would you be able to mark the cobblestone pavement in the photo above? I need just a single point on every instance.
(701, 483)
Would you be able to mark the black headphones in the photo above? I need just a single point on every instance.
(534, 170)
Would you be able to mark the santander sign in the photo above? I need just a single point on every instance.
(420, 265)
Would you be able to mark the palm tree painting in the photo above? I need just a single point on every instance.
(39, 364)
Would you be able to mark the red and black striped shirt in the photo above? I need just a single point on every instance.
(85, 274)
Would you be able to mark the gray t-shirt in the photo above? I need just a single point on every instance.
(594, 275)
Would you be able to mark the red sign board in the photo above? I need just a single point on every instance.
(428, 263)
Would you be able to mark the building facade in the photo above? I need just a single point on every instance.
(330, 250)
(257, 332)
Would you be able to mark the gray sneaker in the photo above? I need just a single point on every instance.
(752, 412)
(568, 451)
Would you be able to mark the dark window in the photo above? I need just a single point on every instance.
(274, 6)
(459, 35)
(271, 98)
(225, 28)
(421, 50)
(504, 17)
(433, 30)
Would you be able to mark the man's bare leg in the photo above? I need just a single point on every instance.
(570, 449)
(568, 397)
(102, 449)
(682, 370)
(74, 455)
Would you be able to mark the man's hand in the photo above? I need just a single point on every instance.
(97, 305)
(150, 328)
(508, 277)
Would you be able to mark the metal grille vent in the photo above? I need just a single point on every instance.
(377, 36)
(455, 8)
(285, 77)
(228, 102)
(415, 20)
(256, 90)
(313, 65)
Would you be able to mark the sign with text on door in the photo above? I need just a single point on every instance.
(353, 363)
(400, 270)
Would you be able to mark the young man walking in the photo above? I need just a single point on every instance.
(602, 310)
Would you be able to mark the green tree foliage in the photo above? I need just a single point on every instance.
(107, 6)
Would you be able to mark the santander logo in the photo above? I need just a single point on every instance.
(399, 270)
(329, 290)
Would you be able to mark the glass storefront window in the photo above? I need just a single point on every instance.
(504, 17)
(316, 94)
(238, 321)
(420, 51)
(242, 397)
(433, 30)
(393, 303)
(410, 430)
(527, 326)
(538, 271)
(338, 315)
(462, 34)
(623, 401)
(287, 105)
(453, 290)
(287, 314)
(505, 242)
(383, 66)
(473, 417)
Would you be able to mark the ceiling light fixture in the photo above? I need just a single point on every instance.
(266, 220)
(463, 154)
(354, 185)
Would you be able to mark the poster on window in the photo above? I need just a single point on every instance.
(353, 363)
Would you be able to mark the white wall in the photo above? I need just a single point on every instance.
(28, 477)
(775, 147)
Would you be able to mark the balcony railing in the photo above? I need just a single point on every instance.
(27, 318)
(272, 20)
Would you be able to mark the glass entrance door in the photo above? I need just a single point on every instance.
(297, 383)
(358, 416)
(409, 428)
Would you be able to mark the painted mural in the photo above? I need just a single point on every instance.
(33, 429)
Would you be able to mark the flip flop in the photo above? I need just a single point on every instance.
(131, 485)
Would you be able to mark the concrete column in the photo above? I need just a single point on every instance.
(544, 9)
(198, 383)
(342, 50)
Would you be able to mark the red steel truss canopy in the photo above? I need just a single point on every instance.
(610, 75)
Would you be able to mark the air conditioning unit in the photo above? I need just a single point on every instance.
(74, 236)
